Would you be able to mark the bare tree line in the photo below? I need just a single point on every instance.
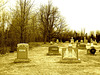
(25, 25)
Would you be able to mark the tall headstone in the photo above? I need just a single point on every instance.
(22, 53)
(91, 40)
(85, 40)
(72, 40)
(70, 55)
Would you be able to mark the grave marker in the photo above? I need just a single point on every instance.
(95, 42)
(85, 40)
(91, 40)
(22, 53)
(81, 41)
(76, 41)
(91, 50)
(53, 50)
(51, 43)
(70, 55)
(72, 40)
(81, 45)
(57, 41)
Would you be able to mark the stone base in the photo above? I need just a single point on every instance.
(81, 47)
(70, 61)
(94, 43)
(21, 60)
(53, 54)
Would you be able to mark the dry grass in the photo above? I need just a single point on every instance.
(41, 64)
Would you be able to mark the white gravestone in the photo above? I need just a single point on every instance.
(72, 40)
(70, 55)
(22, 53)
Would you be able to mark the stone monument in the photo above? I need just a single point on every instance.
(76, 41)
(53, 50)
(70, 55)
(95, 42)
(51, 43)
(91, 40)
(57, 41)
(92, 49)
(85, 40)
(81, 41)
(22, 53)
(72, 40)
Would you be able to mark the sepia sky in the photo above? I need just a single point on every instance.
(78, 13)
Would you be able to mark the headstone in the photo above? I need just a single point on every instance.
(88, 44)
(85, 40)
(76, 41)
(22, 53)
(92, 50)
(66, 41)
(77, 44)
(51, 43)
(81, 41)
(95, 42)
(70, 55)
(91, 40)
(53, 50)
(57, 41)
(72, 40)
(82, 46)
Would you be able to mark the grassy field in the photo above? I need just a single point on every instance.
(41, 64)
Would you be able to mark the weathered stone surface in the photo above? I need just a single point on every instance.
(22, 53)
(53, 50)
(82, 46)
(70, 55)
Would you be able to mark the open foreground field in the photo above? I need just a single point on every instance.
(41, 64)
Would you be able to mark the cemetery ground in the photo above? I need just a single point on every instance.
(41, 64)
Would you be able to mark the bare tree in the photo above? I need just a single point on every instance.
(49, 17)
(21, 17)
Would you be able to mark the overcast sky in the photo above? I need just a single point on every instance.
(78, 13)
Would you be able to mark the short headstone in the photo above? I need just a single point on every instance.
(95, 42)
(51, 43)
(57, 41)
(92, 50)
(88, 44)
(66, 41)
(22, 53)
(76, 41)
(77, 44)
(81, 41)
(70, 55)
(53, 50)
(82, 46)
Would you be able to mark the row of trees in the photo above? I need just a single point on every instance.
(23, 24)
